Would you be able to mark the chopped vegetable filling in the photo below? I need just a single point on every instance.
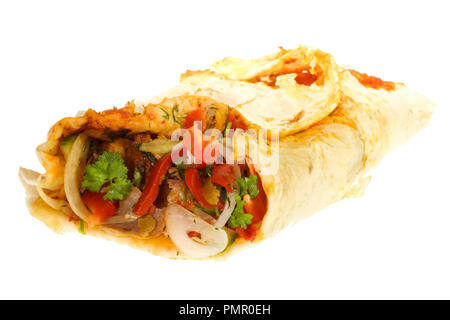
(130, 182)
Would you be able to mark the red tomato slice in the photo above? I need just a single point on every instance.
(101, 209)
(151, 189)
(194, 184)
(223, 175)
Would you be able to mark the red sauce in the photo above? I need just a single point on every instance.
(194, 234)
(304, 77)
(372, 82)
(71, 219)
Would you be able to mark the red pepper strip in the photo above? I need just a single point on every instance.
(248, 234)
(195, 185)
(151, 189)
(198, 114)
(223, 175)
(101, 209)
(193, 137)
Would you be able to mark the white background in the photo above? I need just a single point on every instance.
(58, 57)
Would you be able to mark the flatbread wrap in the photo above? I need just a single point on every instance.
(226, 158)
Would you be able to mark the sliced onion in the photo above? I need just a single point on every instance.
(121, 219)
(56, 204)
(34, 179)
(125, 212)
(29, 176)
(73, 174)
(29, 183)
(180, 222)
(227, 211)
(205, 216)
(126, 205)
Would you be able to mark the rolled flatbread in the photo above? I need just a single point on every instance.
(311, 132)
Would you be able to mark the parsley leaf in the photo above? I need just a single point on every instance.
(248, 185)
(111, 169)
(239, 218)
(118, 189)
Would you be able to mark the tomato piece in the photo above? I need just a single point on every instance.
(101, 209)
(248, 234)
(194, 143)
(237, 122)
(198, 114)
(194, 184)
(150, 193)
(258, 205)
(223, 175)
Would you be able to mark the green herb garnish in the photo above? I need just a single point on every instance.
(248, 185)
(227, 129)
(81, 227)
(166, 114)
(109, 168)
(239, 218)
(227, 124)
(176, 113)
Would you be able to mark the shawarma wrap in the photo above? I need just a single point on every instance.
(226, 158)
